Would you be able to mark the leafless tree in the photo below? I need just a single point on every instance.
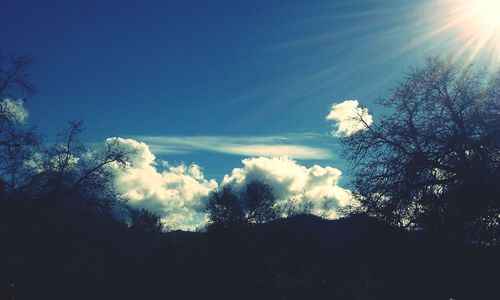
(69, 168)
(433, 161)
(66, 168)
(17, 140)
(14, 77)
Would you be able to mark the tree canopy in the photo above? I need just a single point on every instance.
(228, 209)
(432, 162)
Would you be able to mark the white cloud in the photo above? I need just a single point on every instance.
(346, 116)
(177, 193)
(284, 145)
(290, 179)
(13, 110)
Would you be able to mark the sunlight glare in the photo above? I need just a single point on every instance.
(478, 26)
(485, 12)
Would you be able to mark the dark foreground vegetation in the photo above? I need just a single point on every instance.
(427, 180)
(80, 256)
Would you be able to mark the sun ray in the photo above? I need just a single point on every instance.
(474, 25)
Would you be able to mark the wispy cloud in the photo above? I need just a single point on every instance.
(290, 145)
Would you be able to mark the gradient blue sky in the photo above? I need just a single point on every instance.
(215, 68)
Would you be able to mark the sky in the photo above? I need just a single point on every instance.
(221, 92)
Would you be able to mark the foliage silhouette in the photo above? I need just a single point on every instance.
(17, 140)
(225, 209)
(228, 209)
(14, 77)
(433, 162)
(259, 202)
(145, 222)
(58, 207)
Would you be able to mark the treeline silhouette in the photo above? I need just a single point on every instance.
(92, 256)
(66, 234)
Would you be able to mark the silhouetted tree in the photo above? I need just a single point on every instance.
(295, 205)
(259, 202)
(58, 205)
(253, 205)
(145, 222)
(224, 209)
(69, 169)
(14, 77)
(433, 161)
(327, 206)
(17, 140)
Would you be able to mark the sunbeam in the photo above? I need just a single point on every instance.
(474, 26)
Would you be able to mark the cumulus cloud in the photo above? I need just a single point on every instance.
(346, 116)
(279, 145)
(13, 110)
(289, 179)
(177, 193)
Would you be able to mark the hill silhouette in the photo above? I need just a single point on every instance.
(82, 255)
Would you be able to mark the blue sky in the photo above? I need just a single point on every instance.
(218, 75)
(231, 68)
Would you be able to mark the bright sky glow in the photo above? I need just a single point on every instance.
(474, 26)
(485, 13)
(479, 21)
